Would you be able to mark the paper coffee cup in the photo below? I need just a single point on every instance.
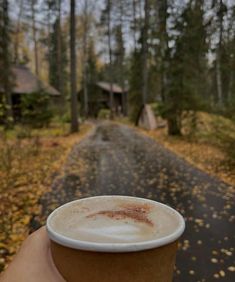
(115, 238)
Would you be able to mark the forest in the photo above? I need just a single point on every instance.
(70, 69)
(179, 54)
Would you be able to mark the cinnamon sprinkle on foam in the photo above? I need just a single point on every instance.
(133, 211)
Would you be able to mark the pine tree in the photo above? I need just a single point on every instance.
(118, 55)
(74, 106)
(144, 54)
(92, 76)
(34, 32)
(106, 22)
(58, 59)
(135, 84)
(138, 93)
(221, 9)
(162, 51)
(232, 56)
(228, 64)
(134, 23)
(188, 66)
(5, 63)
(84, 67)
(224, 62)
(16, 59)
(92, 59)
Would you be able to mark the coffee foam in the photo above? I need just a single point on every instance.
(114, 220)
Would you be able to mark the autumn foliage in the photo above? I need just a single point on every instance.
(27, 169)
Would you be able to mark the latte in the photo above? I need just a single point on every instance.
(114, 220)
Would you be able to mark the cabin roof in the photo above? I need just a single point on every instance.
(25, 82)
(107, 87)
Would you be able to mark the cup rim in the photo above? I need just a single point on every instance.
(115, 247)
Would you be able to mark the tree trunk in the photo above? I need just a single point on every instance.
(145, 52)
(49, 38)
(74, 103)
(218, 79)
(17, 33)
(110, 59)
(124, 106)
(7, 66)
(34, 37)
(230, 85)
(85, 31)
(59, 51)
(173, 126)
(134, 24)
(163, 45)
(218, 58)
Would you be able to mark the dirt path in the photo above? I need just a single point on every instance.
(115, 159)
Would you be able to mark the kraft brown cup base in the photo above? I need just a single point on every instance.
(155, 265)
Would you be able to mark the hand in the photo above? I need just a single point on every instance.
(33, 263)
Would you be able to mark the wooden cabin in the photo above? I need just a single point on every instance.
(99, 98)
(26, 83)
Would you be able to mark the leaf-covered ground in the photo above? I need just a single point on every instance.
(211, 147)
(116, 159)
(28, 167)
